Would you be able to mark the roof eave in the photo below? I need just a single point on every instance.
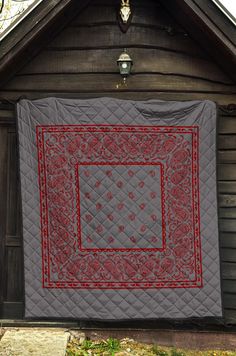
(33, 32)
(210, 28)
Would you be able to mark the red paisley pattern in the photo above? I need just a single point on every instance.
(64, 265)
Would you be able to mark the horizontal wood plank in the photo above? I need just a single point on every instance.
(111, 36)
(7, 121)
(228, 270)
(229, 300)
(228, 213)
(227, 200)
(227, 171)
(227, 225)
(227, 125)
(143, 13)
(7, 117)
(95, 61)
(228, 240)
(230, 316)
(221, 99)
(227, 156)
(227, 141)
(13, 241)
(229, 286)
(6, 114)
(228, 255)
(113, 82)
(227, 187)
(136, 3)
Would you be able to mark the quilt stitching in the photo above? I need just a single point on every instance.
(120, 204)
(65, 265)
(118, 304)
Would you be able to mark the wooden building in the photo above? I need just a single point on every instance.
(182, 50)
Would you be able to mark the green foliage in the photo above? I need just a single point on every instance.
(109, 347)
(87, 345)
(159, 352)
(113, 345)
(174, 352)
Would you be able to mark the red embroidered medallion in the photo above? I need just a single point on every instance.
(119, 206)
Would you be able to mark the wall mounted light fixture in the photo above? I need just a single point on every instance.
(124, 63)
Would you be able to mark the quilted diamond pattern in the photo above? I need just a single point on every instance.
(120, 209)
(109, 193)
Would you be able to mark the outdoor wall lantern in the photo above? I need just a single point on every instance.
(124, 63)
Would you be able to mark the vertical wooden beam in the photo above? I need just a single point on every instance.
(3, 199)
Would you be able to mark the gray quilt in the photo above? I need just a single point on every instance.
(119, 208)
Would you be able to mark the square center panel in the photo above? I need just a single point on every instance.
(120, 207)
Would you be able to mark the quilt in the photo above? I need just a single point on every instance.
(119, 208)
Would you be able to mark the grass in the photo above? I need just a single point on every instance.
(125, 347)
(87, 347)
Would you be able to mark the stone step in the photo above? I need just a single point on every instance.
(34, 342)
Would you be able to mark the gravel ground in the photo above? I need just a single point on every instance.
(61, 342)
(127, 347)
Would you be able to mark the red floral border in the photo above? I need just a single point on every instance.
(60, 148)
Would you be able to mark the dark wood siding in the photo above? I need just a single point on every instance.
(227, 210)
(11, 251)
(81, 62)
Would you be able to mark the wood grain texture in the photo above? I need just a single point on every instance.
(146, 60)
(210, 10)
(228, 271)
(110, 36)
(203, 28)
(229, 286)
(227, 172)
(228, 213)
(230, 300)
(13, 240)
(3, 182)
(14, 222)
(227, 225)
(228, 239)
(227, 200)
(28, 37)
(227, 142)
(230, 316)
(14, 285)
(228, 255)
(224, 141)
(7, 117)
(155, 15)
(227, 156)
(227, 125)
(112, 82)
(227, 187)
(12, 310)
